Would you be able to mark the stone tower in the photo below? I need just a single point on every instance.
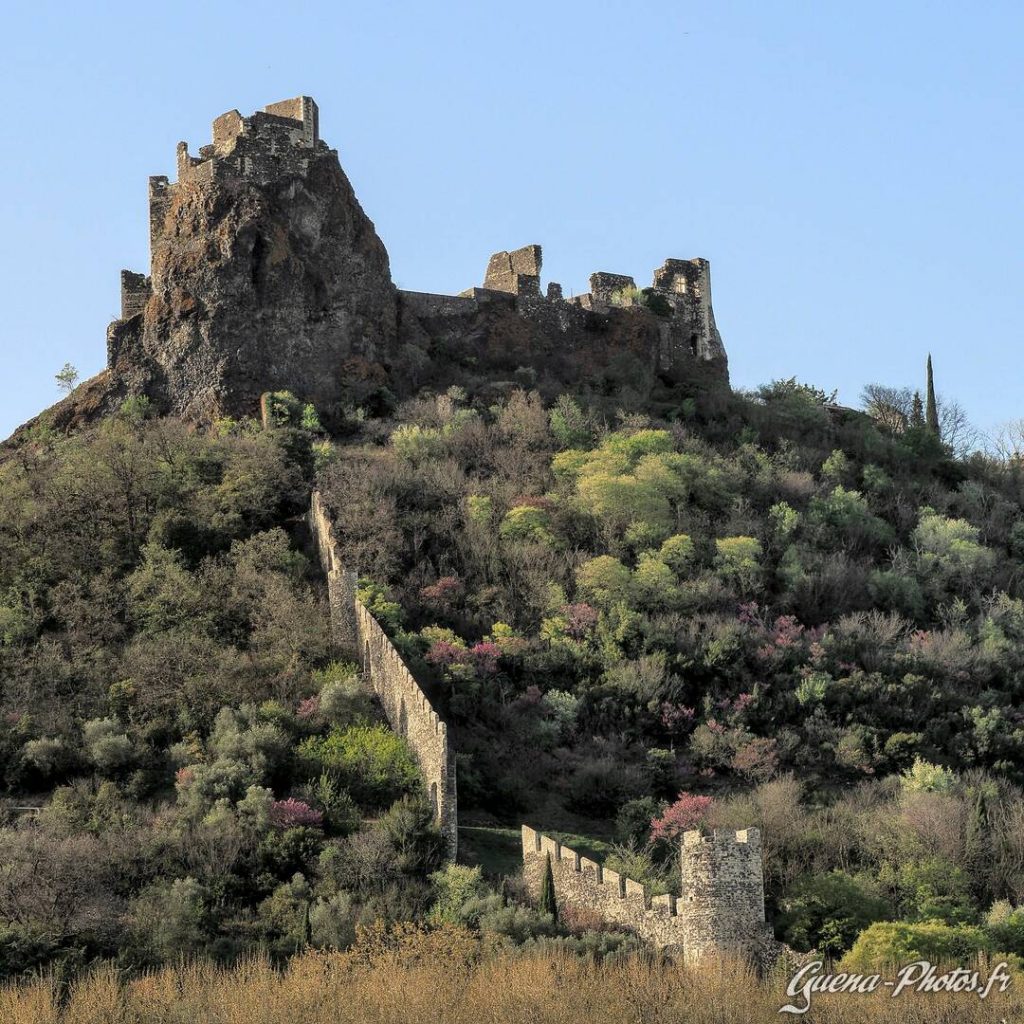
(265, 274)
(722, 904)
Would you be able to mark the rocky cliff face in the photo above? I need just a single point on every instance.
(266, 275)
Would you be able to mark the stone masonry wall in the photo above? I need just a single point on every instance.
(721, 909)
(406, 707)
(722, 906)
(135, 292)
(583, 883)
(412, 717)
(516, 272)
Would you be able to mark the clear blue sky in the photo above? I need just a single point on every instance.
(853, 171)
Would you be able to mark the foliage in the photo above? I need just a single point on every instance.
(371, 762)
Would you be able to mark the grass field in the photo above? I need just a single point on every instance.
(441, 979)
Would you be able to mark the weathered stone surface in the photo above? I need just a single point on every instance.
(266, 274)
(722, 902)
(722, 905)
(405, 705)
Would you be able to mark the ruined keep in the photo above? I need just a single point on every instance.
(406, 707)
(265, 274)
(721, 908)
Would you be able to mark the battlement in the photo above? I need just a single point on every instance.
(682, 289)
(583, 883)
(276, 131)
(721, 908)
(725, 837)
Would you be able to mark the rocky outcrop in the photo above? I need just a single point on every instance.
(266, 275)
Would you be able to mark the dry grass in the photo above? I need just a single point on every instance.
(395, 988)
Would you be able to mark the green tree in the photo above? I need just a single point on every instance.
(67, 378)
(932, 409)
(827, 912)
(548, 903)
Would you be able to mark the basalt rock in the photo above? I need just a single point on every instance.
(267, 275)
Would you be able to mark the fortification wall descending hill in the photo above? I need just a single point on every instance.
(406, 706)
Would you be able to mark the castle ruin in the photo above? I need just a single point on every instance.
(721, 909)
(265, 274)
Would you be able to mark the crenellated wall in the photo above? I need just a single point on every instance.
(721, 908)
(406, 706)
(583, 883)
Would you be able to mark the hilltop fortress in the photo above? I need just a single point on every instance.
(265, 274)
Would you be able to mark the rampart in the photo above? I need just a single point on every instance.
(721, 908)
(406, 706)
(583, 883)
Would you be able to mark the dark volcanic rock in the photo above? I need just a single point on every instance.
(266, 275)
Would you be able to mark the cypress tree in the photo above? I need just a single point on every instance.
(932, 410)
(548, 904)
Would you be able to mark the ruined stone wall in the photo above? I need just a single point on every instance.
(406, 707)
(607, 288)
(583, 883)
(135, 292)
(427, 304)
(722, 906)
(516, 272)
(161, 192)
(721, 909)
(686, 285)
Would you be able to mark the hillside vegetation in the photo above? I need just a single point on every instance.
(744, 610)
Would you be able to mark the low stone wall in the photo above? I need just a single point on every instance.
(406, 706)
(426, 304)
(583, 883)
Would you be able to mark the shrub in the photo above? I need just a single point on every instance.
(479, 509)
(106, 744)
(292, 813)
(454, 887)
(689, 811)
(738, 560)
(371, 762)
(49, 756)
(827, 912)
(924, 777)
(887, 944)
(677, 552)
(604, 581)
(171, 918)
(526, 523)
(417, 444)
